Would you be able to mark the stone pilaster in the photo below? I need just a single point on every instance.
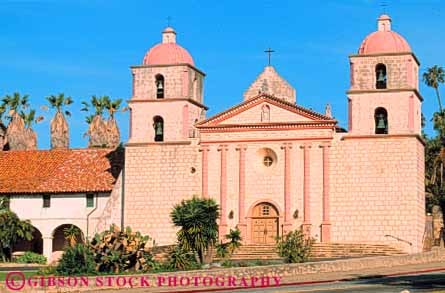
(242, 226)
(48, 247)
(223, 191)
(205, 170)
(306, 226)
(326, 223)
(287, 191)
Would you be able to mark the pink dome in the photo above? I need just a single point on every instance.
(168, 52)
(384, 40)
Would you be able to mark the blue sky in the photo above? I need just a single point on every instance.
(85, 47)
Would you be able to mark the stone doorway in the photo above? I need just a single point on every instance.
(264, 224)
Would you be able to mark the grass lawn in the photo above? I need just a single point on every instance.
(27, 275)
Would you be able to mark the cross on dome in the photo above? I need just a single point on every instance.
(384, 40)
(168, 51)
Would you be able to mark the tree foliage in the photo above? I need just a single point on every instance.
(11, 230)
(59, 101)
(198, 231)
(76, 260)
(295, 247)
(435, 146)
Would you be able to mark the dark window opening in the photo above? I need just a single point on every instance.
(158, 125)
(160, 86)
(381, 121)
(90, 200)
(381, 78)
(46, 201)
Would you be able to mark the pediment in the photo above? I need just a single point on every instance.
(265, 110)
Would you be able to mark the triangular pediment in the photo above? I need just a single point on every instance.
(265, 109)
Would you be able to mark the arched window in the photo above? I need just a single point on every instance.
(158, 125)
(380, 76)
(265, 113)
(160, 86)
(381, 121)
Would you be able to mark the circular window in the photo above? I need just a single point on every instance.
(268, 161)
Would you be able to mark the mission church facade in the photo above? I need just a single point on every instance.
(271, 164)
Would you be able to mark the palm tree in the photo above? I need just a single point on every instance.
(19, 134)
(15, 103)
(433, 77)
(198, 231)
(60, 136)
(71, 234)
(2, 127)
(103, 133)
(98, 104)
(58, 101)
(30, 118)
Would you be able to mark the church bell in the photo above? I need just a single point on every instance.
(381, 77)
(381, 124)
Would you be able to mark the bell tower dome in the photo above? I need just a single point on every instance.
(167, 97)
(383, 96)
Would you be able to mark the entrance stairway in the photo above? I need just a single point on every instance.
(319, 251)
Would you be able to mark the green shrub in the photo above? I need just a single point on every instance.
(181, 259)
(234, 238)
(196, 219)
(295, 247)
(227, 264)
(31, 257)
(76, 260)
(118, 251)
(226, 249)
(222, 250)
(47, 271)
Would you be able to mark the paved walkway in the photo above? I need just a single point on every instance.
(311, 279)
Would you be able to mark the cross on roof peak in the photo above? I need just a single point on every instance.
(269, 51)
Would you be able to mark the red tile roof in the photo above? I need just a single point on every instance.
(59, 171)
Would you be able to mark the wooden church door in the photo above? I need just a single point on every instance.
(264, 224)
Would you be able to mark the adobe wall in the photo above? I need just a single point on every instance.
(277, 114)
(266, 184)
(377, 189)
(158, 176)
(402, 71)
(177, 115)
(404, 111)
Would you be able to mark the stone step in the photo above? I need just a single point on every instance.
(319, 251)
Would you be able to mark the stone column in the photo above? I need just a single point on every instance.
(48, 247)
(205, 170)
(223, 191)
(306, 226)
(242, 226)
(287, 191)
(326, 222)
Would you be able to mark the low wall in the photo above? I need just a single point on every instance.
(241, 277)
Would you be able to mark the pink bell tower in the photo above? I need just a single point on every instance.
(383, 96)
(167, 95)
